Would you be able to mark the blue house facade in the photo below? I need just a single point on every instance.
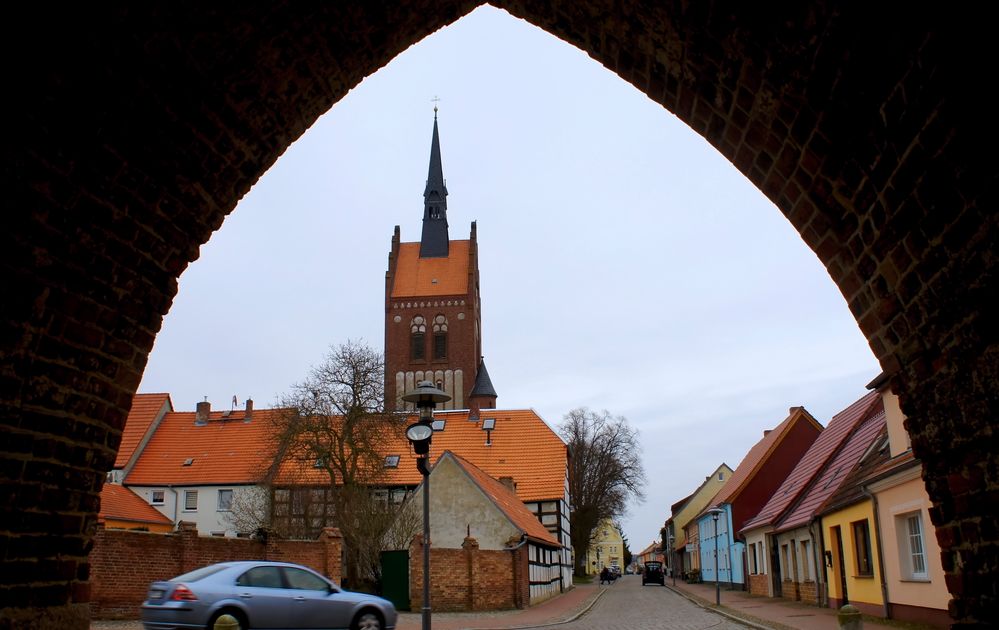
(729, 550)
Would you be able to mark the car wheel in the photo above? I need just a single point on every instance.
(367, 620)
(226, 620)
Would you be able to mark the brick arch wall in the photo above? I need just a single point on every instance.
(133, 131)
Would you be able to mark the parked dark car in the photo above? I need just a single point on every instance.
(261, 595)
(653, 574)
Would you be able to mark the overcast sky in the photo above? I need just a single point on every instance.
(625, 264)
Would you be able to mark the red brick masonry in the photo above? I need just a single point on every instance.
(123, 563)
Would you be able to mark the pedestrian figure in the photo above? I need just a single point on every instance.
(604, 576)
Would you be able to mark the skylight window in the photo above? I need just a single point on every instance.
(188, 461)
(391, 461)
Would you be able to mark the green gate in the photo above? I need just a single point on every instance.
(395, 578)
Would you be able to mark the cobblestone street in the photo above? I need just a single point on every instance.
(627, 605)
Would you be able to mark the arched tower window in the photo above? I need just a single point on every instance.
(417, 342)
(440, 338)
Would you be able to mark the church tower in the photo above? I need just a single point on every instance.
(432, 307)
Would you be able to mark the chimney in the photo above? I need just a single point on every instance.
(766, 432)
(509, 483)
(249, 410)
(203, 409)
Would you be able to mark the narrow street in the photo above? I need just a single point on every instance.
(627, 605)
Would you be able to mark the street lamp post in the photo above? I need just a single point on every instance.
(715, 512)
(672, 559)
(419, 434)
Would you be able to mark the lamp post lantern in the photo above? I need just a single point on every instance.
(419, 434)
(715, 512)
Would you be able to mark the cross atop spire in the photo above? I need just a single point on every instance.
(434, 242)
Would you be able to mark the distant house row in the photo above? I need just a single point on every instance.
(216, 468)
(827, 516)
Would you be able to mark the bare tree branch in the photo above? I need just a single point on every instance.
(335, 422)
(605, 473)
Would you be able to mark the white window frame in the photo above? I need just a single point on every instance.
(225, 506)
(188, 495)
(158, 497)
(908, 536)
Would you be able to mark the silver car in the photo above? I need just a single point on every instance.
(261, 595)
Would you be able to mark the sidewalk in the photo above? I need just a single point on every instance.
(769, 612)
(559, 609)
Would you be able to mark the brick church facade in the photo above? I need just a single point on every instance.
(433, 323)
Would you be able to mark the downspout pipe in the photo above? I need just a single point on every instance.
(881, 560)
(176, 501)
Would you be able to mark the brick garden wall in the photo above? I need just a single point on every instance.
(123, 563)
(469, 578)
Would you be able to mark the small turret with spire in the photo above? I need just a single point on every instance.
(434, 242)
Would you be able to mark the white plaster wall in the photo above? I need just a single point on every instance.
(457, 505)
(207, 517)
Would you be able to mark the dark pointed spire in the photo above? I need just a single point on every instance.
(483, 385)
(434, 243)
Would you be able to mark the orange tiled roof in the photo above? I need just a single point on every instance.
(419, 277)
(145, 409)
(121, 504)
(758, 455)
(506, 501)
(223, 451)
(652, 549)
(522, 446)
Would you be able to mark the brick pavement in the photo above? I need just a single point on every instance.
(560, 609)
(772, 612)
(624, 605)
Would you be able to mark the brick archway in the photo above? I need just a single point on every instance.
(134, 131)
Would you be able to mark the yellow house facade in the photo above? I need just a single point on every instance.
(606, 550)
(851, 558)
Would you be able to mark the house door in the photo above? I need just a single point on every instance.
(395, 578)
(775, 575)
(840, 565)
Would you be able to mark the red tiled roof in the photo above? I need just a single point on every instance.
(758, 455)
(145, 409)
(225, 450)
(653, 548)
(811, 462)
(522, 446)
(428, 277)
(506, 501)
(121, 504)
(836, 472)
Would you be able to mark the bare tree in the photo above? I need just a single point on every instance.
(605, 473)
(335, 422)
(250, 510)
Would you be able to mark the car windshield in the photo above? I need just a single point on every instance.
(199, 574)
